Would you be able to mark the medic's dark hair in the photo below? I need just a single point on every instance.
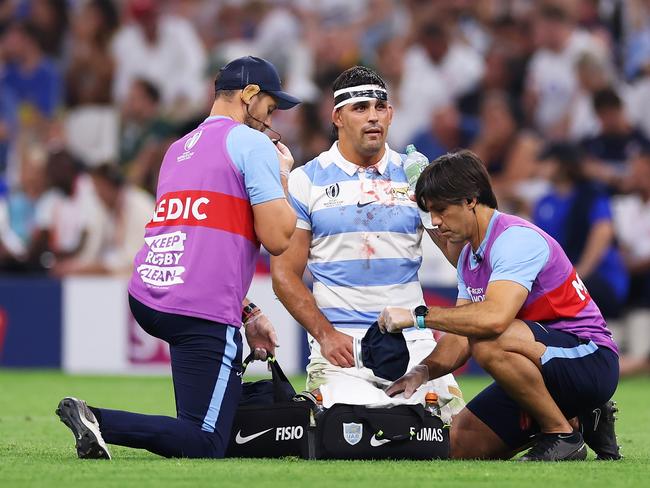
(452, 179)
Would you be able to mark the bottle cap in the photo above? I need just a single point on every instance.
(410, 148)
(431, 397)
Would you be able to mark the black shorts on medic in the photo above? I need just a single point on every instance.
(578, 374)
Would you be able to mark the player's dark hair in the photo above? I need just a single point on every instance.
(606, 98)
(355, 76)
(452, 179)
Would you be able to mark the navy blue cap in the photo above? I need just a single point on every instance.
(385, 354)
(250, 70)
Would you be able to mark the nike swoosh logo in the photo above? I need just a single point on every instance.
(596, 413)
(359, 204)
(241, 439)
(374, 442)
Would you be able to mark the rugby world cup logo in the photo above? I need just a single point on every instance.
(191, 142)
(333, 191)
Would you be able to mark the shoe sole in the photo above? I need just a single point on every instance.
(89, 442)
(579, 454)
(609, 457)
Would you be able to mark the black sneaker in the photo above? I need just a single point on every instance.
(557, 447)
(82, 422)
(597, 427)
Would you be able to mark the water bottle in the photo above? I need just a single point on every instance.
(414, 164)
(431, 404)
(317, 409)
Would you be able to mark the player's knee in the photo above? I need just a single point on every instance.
(484, 350)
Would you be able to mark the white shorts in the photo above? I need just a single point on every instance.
(359, 386)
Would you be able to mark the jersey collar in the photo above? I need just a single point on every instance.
(350, 168)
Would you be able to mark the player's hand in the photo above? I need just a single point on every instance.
(394, 319)
(410, 382)
(337, 348)
(261, 336)
(285, 157)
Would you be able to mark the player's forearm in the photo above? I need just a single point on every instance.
(300, 303)
(450, 354)
(481, 319)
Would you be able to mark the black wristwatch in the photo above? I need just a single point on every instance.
(420, 312)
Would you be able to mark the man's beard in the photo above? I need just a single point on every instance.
(254, 123)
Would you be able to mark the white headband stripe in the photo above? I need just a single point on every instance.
(358, 88)
(353, 100)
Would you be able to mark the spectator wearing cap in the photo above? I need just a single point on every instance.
(577, 214)
(222, 191)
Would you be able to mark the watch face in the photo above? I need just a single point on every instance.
(421, 311)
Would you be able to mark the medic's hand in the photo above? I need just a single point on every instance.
(394, 319)
(285, 157)
(410, 382)
(261, 336)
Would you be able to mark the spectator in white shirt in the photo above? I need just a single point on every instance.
(64, 215)
(164, 49)
(551, 83)
(126, 210)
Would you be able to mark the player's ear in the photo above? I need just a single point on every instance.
(336, 118)
(249, 92)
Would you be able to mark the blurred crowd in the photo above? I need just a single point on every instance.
(553, 95)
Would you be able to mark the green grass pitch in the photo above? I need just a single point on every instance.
(37, 450)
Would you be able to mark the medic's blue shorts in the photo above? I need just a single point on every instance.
(579, 375)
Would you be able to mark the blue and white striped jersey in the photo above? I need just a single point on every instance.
(366, 238)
